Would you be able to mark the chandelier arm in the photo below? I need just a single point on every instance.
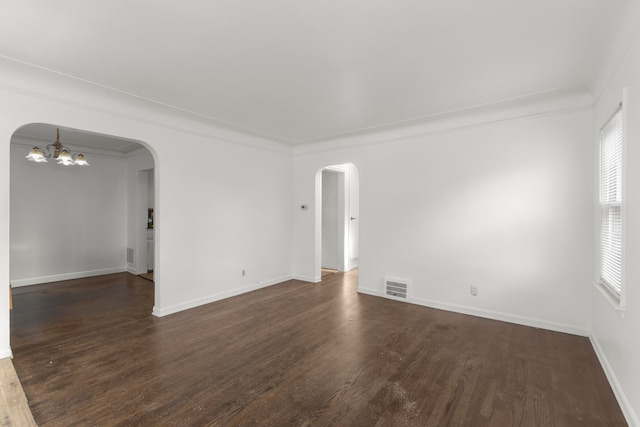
(49, 153)
(54, 150)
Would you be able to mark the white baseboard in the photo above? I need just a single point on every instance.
(490, 314)
(504, 317)
(368, 291)
(66, 276)
(625, 405)
(165, 311)
(308, 279)
(6, 352)
(132, 269)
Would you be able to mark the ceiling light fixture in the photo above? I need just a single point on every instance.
(61, 153)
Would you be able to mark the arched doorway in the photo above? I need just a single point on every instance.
(76, 221)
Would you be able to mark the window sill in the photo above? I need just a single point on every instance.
(612, 299)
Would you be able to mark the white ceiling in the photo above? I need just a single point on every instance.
(299, 70)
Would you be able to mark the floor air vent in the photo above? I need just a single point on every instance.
(397, 289)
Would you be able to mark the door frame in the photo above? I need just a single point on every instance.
(346, 263)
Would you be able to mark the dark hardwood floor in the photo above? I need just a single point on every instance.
(88, 352)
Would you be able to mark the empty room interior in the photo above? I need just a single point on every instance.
(347, 213)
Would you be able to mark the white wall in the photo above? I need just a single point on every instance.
(223, 200)
(505, 206)
(616, 335)
(66, 222)
(221, 214)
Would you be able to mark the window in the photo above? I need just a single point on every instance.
(611, 199)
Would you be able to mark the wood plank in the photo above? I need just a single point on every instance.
(14, 409)
(88, 352)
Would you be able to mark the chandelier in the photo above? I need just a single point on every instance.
(61, 153)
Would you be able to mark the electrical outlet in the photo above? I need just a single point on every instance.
(244, 273)
(473, 290)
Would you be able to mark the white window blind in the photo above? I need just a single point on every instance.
(611, 203)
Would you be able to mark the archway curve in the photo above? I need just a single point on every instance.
(40, 131)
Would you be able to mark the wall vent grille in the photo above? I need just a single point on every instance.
(130, 255)
(396, 288)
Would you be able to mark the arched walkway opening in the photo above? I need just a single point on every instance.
(75, 221)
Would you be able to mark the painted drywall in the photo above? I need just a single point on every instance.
(615, 333)
(228, 216)
(223, 199)
(66, 221)
(504, 206)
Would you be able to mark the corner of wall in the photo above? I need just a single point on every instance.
(625, 405)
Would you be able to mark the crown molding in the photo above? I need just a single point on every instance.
(50, 86)
(535, 105)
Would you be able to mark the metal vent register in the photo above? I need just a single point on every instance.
(397, 289)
